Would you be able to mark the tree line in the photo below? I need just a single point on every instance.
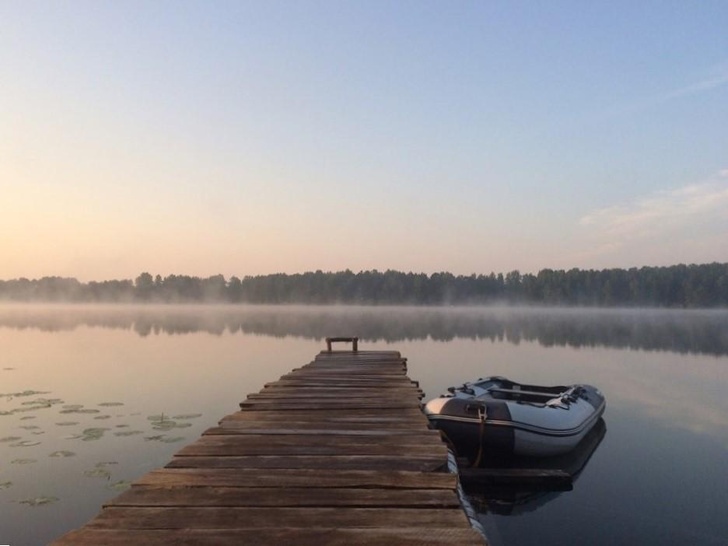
(696, 285)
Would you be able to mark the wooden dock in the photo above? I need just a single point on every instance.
(336, 452)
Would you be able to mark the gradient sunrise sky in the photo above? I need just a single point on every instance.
(257, 137)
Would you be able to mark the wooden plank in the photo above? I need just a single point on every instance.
(339, 372)
(401, 427)
(420, 433)
(342, 399)
(257, 518)
(342, 402)
(290, 497)
(224, 477)
(332, 416)
(313, 394)
(279, 536)
(414, 463)
(229, 445)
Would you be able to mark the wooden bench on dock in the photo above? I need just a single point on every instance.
(336, 452)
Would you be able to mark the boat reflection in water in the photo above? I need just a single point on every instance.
(511, 500)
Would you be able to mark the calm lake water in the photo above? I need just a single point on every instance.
(84, 390)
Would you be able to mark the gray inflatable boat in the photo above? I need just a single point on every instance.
(506, 417)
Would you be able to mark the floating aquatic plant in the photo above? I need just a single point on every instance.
(25, 443)
(98, 473)
(27, 417)
(67, 423)
(123, 433)
(79, 410)
(62, 453)
(9, 439)
(23, 461)
(156, 438)
(160, 422)
(91, 434)
(29, 408)
(172, 440)
(29, 427)
(187, 416)
(39, 501)
(42, 402)
(122, 426)
(23, 393)
(5, 485)
(102, 417)
(122, 485)
(110, 404)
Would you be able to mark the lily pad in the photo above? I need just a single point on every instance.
(23, 461)
(29, 427)
(65, 411)
(31, 408)
(39, 501)
(73, 406)
(122, 426)
(169, 425)
(10, 439)
(25, 443)
(67, 423)
(122, 485)
(110, 404)
(98, 473)
(102, 417)
(5, 485)
(156, 438)
(123, 433)
(23, 393)
(172, 440)
(42, 402)
(187, 416)
(27, 417)
(92, 434)
(62, 454)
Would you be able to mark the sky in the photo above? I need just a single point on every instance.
(246, 138)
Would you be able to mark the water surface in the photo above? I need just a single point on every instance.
(93, 397)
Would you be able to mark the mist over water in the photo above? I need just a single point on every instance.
(95, 396)
(684, 331)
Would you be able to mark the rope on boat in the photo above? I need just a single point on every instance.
(481, 437)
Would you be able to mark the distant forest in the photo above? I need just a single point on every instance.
(704, 285)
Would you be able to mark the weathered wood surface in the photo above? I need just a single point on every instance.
(336, 452)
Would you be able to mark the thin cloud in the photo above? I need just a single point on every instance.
(716, 77)
(663, 212)
(697, 87)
